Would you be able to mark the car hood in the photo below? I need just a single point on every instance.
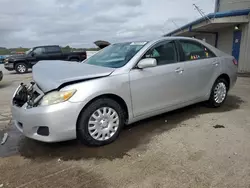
(50, 75)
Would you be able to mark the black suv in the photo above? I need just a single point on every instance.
(21, 63)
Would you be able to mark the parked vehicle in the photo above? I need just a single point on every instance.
(119, 85)
(101, 44)
(21, 63)
(1, 75)
(1, 59)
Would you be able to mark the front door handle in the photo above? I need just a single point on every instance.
(179, 70)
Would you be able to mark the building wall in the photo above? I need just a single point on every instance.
(225, 40)
(225, 44)
(227, 5)
(244, 60)
(209, 38)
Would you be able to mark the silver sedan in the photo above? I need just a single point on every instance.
(121, 84)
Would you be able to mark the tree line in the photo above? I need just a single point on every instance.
(99, 43)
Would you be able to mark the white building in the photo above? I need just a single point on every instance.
(227, 28)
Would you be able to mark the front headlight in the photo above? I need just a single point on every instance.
(6, 60)
(56, 97)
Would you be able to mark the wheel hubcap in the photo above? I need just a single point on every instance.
(21, 68)
(103, 123)
(220, 92)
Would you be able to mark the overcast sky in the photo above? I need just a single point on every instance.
(79, 23)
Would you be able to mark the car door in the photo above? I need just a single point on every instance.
(36, 55)
(54, 53)
(155, 88)
(201, 68)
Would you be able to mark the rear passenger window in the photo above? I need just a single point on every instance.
(164, 53)
(52, 49)
(193, 51)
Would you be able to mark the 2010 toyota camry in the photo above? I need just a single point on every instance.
(119, 85)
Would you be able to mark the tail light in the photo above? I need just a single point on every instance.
(235, 62)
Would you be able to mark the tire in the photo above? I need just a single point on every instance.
(21, 68)
(77, 60)
(217, 102)
(105, 128)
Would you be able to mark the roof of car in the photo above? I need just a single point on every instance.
(158, 39)
(46, 46)
(174, 37)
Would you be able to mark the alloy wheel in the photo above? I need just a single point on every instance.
(220, 92)
(21, 68)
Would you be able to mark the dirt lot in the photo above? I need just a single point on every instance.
(177, 149)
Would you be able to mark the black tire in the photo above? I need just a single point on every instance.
(21, 68)
(212, 102)
(82, 127)
(74, 59)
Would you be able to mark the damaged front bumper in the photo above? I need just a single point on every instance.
(52, 123)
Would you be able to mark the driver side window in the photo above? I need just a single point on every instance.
(38, 51)
(164, 53)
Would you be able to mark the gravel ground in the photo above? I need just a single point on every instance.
(176, 149)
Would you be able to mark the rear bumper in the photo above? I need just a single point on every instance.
(59, 119)
(83, 58)
(233, 80)
(1, 75)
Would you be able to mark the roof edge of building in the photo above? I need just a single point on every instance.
(210, 16)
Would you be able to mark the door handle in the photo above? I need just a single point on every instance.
(215, 63)
(179, 70)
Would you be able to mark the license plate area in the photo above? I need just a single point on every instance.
(27, 94)
(20, 96)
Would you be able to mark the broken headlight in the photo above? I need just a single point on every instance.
(55, 97)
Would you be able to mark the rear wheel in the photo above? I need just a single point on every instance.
(74, 59)
(218, 93)
(101, 122)
(21, 68)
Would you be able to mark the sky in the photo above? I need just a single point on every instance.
(79, 23)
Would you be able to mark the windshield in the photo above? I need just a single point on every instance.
(27, 52)
(116, 55)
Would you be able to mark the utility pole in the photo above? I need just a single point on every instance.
(175, 24)
(201, 12)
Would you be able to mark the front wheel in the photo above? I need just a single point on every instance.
(21, 68)
(218, 93)
(101, 122)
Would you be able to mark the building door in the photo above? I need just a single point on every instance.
(236, 44)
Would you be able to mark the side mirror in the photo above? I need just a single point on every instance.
(148, 62)
(32, 54)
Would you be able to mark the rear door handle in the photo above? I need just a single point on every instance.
(179, 70)
(215, 63)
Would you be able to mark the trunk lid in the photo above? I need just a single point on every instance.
(50, 75)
